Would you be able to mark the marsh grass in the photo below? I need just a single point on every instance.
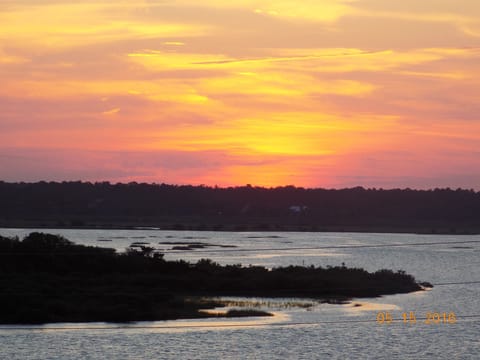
(269, 303)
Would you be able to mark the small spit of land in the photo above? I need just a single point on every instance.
(46, 278)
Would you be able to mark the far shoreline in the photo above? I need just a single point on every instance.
(242, 228)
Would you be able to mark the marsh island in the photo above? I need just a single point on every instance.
(46, 278)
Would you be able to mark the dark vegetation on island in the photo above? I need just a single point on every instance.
(245, 208)
(46, 278)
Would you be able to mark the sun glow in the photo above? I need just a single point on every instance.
(330, 93)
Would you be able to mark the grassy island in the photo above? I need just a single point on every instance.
(46, 278)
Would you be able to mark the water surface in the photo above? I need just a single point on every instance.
(314, 332)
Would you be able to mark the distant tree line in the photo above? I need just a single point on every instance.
(238, 208)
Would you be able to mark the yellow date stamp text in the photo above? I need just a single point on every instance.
(431, 318)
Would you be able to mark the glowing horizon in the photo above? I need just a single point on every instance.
(331, 93)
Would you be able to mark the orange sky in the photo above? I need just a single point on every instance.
(317, 93)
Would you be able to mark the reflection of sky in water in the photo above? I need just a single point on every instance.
(359, 306)
(278, 319)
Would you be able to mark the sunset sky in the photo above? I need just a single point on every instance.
(313, 93)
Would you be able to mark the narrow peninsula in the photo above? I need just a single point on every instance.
(46, 278)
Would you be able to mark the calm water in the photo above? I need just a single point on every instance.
(321, 331)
